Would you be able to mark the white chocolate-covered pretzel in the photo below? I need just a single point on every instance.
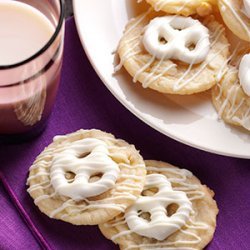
(169, 37)
(244, 73)
(84, 158)
(160, 225)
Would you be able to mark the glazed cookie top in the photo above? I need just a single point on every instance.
(236, 15)
(174, 211)
(86, 177)
(231, 95)
(173, 54)
(184, 7)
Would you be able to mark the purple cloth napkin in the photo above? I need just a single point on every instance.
(84, 102)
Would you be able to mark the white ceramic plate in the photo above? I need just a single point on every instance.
(190, 119)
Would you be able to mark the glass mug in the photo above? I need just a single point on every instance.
(28, 87)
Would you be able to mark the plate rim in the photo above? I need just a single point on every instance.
(133, 111)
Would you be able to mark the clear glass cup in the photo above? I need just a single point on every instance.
(28, 88)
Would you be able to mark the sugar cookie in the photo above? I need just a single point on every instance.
(86, 177)
(184, 7)
(236, 15)
(175, 211)
(173, 54)
(231, 96)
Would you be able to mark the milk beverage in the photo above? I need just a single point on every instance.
(27, 87)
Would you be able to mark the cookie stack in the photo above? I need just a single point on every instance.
(89, 177)
(186, 47)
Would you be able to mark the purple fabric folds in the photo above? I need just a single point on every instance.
(84, 102)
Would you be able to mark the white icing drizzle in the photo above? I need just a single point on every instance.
(159, 246)
(131, 176)
(180, 184)
(39, 174)
(142, 69)
(44, 197)
(244, 73)
(124, 165)
(183, 174)
(160, 4)
(130, 52)
(228, 75)
(246, 8)
(197, 225)
(223, 69)
(244, 120)
(39, 186)
(160, 225)
(150, 78)
(233, 91)
(236, 15)
(86, 206)
(231, 100)
(178, 33)
(104, 203)
(138, 21)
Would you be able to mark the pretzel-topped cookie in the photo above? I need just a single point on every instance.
(86, 177)
(173, 54)
(231, 95)
(174, 212)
